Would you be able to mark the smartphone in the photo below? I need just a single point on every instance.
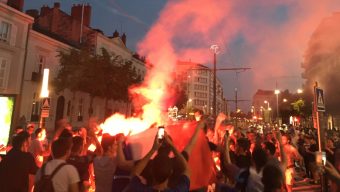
(160, 134)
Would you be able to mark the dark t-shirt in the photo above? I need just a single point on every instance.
(183, 185)
(243, 161)
(82, 164)
(14, 171)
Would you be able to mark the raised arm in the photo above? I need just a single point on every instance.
(138, 169)
(282, 152)
(182, 162)
(188, 148)
(220, 118)
(231, 169)
(122, 162)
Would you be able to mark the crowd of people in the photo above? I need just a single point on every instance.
(266, 158)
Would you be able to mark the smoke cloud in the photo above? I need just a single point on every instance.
(322, 61)
(268, 36)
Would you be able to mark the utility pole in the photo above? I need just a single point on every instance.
(214, 70)
(236, 100)
(215, 50)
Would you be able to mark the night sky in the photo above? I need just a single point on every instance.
(268, 36)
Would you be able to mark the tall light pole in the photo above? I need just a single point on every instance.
(45, 99)
(277, 92)
(215, 50)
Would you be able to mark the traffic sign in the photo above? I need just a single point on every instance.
(320, 101)
(45, 113)
(46, 103)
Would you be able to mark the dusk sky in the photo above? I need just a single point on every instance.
(268, 36)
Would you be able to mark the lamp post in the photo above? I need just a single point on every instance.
(215, 50)
(45, 99)
(277, 92)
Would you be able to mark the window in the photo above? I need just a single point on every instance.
(41, 63)
(4, 65)
(35, 109)
(80, 109)
(5, 29)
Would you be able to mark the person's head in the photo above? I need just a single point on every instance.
(61, 148)
(66, 134)
(286, 139)
(162, 168)
(30, 129)
(330, 143)
(259, 157)
(242, 145)
(78, 145)
(40, 134)
(269, 148)
(22, 141)
(198, 114)
(272, 178)
(19, 129)
(109, 144)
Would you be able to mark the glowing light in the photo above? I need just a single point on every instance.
(285, 100)
(92, 148)
(277, 91)
(44, 88)
(299, 91)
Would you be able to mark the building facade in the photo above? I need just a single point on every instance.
(264, 104)
(14, 29)
(31, 42)
(198, 82)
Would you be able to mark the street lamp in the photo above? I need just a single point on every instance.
(277, 92)
(267, 104)
(299, 91)
(284, 100)
(45, 99)
(215, 50)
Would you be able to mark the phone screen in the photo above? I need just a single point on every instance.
(160, 134)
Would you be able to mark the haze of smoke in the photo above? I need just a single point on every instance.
(322, 61)
(277, 33)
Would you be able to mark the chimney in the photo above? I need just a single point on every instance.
(44, 10)
(56, 5)
(115, 34)
(124, 39)
(33, 13)
(16, 4)
(76, 13)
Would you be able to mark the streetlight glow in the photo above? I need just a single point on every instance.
(44, 88)
(277, 91)
(284, 100)
(299, 91)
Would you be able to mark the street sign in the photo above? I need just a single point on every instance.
(320, 101)
(46, 103)
(45, 113)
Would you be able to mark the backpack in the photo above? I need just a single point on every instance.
(45, 182)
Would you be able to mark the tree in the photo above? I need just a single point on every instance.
(102, 75)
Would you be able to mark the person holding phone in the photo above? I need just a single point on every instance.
(161, 169)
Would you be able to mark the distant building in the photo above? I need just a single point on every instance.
(264, 103)
(198, 82)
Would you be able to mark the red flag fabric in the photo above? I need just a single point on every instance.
(200, 160)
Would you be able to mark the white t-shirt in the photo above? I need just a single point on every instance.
(66, 175)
